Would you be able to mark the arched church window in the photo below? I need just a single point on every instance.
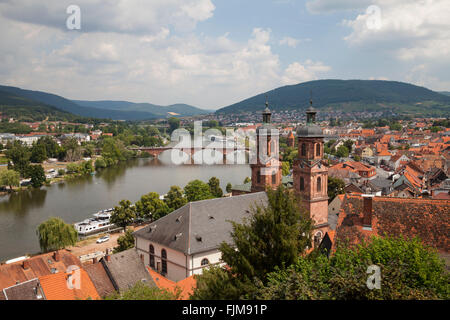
(274, 177)
(152, 256)
(303, 150)
(163, 261)
(205, 262)
(258, 177)
(318, 150)
(319, 184)
(302, 184)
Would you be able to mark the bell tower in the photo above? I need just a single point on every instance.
(310, 175)
(266, 172)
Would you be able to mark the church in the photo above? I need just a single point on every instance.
(310, 175)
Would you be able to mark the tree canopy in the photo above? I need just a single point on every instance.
(123, 214)
(197, 190)
(55, 234)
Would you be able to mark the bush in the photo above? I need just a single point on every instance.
(100, 163)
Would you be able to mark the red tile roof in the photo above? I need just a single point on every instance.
(426, 218)
(57, 286)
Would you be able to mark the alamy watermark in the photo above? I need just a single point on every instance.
(236, 147)
(73, 22)
(373, 21)
(374, 279)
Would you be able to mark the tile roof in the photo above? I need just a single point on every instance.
(100, 279)
(125, 269)
(56, 286)
(39, 266)
(202, 225)
(428, 219)
(186, 286)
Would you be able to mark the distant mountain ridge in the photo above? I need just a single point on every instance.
(181, 109)
(348, 95)
(97, 109)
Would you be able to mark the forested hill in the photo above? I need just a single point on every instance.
(348, 96)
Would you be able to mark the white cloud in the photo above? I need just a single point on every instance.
(290, 42)
(296, 72)
(124, 16)
(408, 29)
(158, 67)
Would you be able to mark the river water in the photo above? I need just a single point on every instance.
(78, 199)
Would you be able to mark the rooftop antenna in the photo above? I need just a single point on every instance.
(310, 101)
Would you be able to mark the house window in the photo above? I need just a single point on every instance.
(152, 256)
(302, 184)
(205, 262)
(319, 184)
(303, 150)
(318, 149)
(163, 261)
(274, 178)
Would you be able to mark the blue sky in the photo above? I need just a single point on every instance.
(211, 53)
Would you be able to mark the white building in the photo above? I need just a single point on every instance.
(187, 240)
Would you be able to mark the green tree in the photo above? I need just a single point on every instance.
(214, 187)
(342, 152)
(357, 158)
(100, 163)
(395, 126)
(123, 214)
(38, 153)
(197, 190)
(272, 237)
(285, 168)
(151, 206)
(9, 178)
(174, 198)
(19, 156)
(141, 291)
(72, 150)
(37, 175)
(174, 123)
(408, 270)
(335, 186)
(229, 187)
(54, 234)
(125, 241)
(51, 147)
(348, 144)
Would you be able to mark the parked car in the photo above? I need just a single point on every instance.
(103, 239)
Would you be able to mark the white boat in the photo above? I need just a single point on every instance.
(100, 222)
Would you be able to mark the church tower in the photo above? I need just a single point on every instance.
(310, 175)
(266, 172)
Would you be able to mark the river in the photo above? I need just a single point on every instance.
(78, 199)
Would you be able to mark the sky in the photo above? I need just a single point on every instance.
(212, 53)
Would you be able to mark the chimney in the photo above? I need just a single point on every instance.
(107, 256)
(56, 256)
(94, 260)
(367, 211)
(26, 265)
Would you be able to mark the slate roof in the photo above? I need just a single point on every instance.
(202, 225)
(28, 290)
(428, 219)
(125, 269)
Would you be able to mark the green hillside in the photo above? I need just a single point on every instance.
(350, 96)
(21, 108)
(162, 111)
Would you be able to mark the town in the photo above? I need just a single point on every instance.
(391, 179)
